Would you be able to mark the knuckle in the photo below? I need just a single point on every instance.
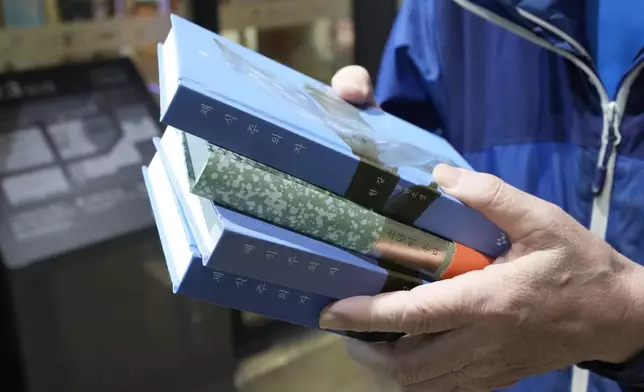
(371, 317)
(549, 223)
(414, 318)
(552, 213)
(493, 189)
(554, 208)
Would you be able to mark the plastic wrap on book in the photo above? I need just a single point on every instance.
(375, 178)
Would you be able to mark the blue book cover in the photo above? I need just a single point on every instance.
(243, 245)
(192, 279)
(244, 102)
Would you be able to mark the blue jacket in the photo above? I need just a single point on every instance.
(511, 85)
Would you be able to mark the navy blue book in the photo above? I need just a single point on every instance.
(244, 102)
(222, 287)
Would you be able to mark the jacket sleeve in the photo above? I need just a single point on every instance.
(409, 80)
(629, 375)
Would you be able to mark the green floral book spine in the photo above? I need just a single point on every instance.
(237, 182)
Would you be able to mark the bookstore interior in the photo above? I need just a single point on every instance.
(87, 299)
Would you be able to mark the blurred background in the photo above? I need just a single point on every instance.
(86, 303)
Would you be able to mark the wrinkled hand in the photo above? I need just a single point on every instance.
(559, 297)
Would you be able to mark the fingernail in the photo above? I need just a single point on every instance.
(446, 176)
(360, 89)
(329, 317)
(328, 320)
(365, 90)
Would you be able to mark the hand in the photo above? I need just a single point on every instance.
(560, 296)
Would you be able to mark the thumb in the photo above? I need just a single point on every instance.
(353, 84)
(430, 308)
(514, 211)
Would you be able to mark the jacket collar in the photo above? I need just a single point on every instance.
(560, 22)
(563, 15)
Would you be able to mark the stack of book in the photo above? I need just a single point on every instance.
(274, 196)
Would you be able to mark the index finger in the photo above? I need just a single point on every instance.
(431, 308)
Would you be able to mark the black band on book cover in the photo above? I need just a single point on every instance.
(395, 281)
(409, 203)
(371, 187)
(394, 266)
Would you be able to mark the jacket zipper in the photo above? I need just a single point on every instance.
(603, 178)
(611, 112)
(546, 25)
(608, 147)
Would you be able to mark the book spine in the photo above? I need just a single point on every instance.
(267, 299)
(284, 265)
(253, 295)
(262, 141)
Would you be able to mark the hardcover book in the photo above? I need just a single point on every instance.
(244, 102)
(239, 243)
(250, 187)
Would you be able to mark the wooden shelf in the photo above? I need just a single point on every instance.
(24, 48)
(262, 14)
